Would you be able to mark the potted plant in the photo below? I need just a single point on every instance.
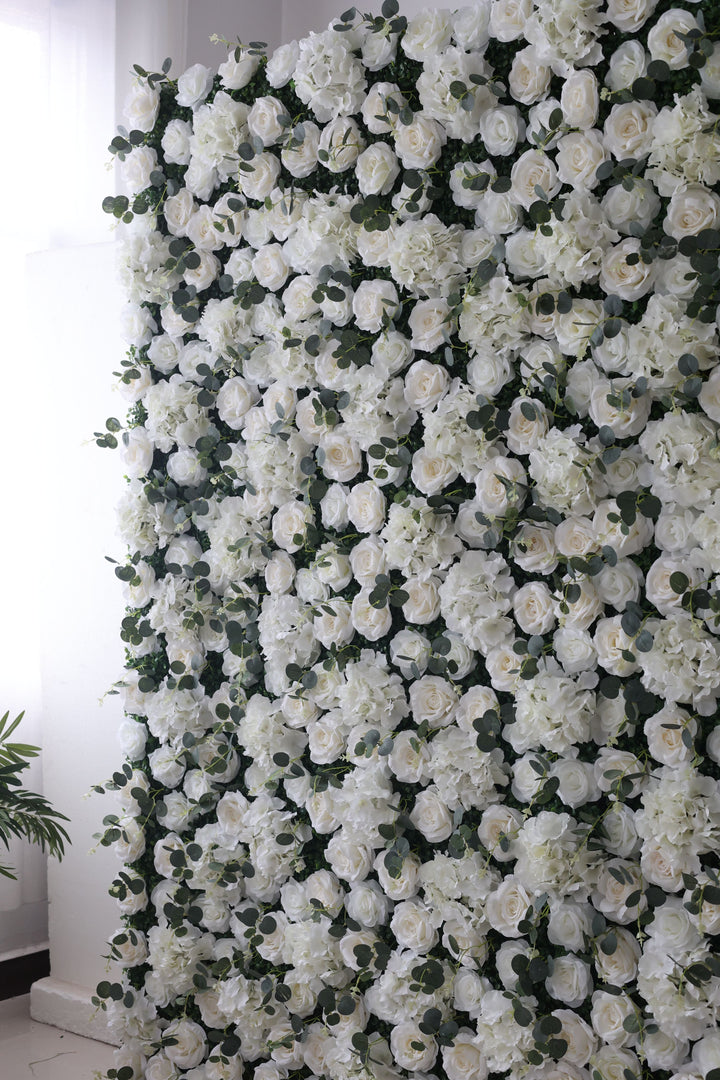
(24, 813)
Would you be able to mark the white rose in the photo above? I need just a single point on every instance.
(281, 65)
(607, 1016)
(340, 144)
(236, 73)
(375, 114)
(289, 524)
(349, 859)
(581, 1042)
(497, 212)
(508, 18)
(419, 144)
(533, 169)
(710, 74)
(579, 99)
(367, 904)
(533, 608)
(335, 629)
(279, 572)
(265, 120)
(188, 1046)
(374, 302)
(569, 924)
(534, 549)
(620, 278)
(373, 623)
(501, 129)
(185, 469)
(464, 1059)
(578, 156)
(626, 419)
(194, 85)
(429, 324)
(234, 399)
(379, 50)
(628, 130)
(367, 560)
(692, 208)
(409, 650)
(664, 733)
(365, 507)
(629, 15)
(342, 458)
(432, 472)
(616, 585)
(427, 34)
(423, 603)
(709, 397)
(176, 142)
(432, 698)
(611, 641)
(409, 758)
(414, 927)
(137, 452)
(570, 981)
(269, 267)
(576, 781)
(641, 204)
(506, 906)
(529, 80)
(619, 967)
(137, 167)
(300, 154)
(405, 1038)
(425, 384)
(377, 169)
(664, 43)
(500, 484)
(405, 884)
(258, 183)
(141, 106)
(430, 816)
(497, 829)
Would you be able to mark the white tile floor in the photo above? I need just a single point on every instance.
(32, 1051)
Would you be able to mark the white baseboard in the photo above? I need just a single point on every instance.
(66, 1005)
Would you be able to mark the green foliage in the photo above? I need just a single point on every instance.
(23, 813)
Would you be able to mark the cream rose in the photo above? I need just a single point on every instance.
(429, 324)
(419, 144)
(578, 156)
(372, 622)
(529, 79)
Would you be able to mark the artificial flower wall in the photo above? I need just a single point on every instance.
(423, 521)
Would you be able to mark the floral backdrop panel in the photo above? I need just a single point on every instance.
(423, 522)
